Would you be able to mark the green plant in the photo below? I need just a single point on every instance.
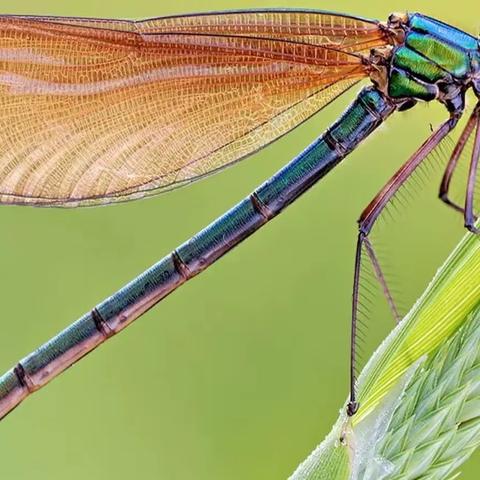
(419, 392)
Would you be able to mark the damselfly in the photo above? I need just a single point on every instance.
(100, 111)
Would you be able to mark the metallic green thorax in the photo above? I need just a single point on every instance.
(434, 62)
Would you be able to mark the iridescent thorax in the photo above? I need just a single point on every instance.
(431, 61)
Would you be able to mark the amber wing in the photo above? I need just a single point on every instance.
(97, 111)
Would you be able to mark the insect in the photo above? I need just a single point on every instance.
(98, 111)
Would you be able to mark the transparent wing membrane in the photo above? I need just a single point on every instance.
(97, 111)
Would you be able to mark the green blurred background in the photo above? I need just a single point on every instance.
(240, 373)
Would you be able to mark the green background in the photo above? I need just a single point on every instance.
(240, 373)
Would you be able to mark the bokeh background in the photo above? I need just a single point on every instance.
(240, 373)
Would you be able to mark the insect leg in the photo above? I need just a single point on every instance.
(455, 157)
(366, 223)
(469, 216)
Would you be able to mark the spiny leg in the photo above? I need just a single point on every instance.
(455, 157)
(366, 223)
(381, 277)
(469, 216)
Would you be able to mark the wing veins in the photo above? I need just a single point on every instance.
(174, 184)
(156, 115)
